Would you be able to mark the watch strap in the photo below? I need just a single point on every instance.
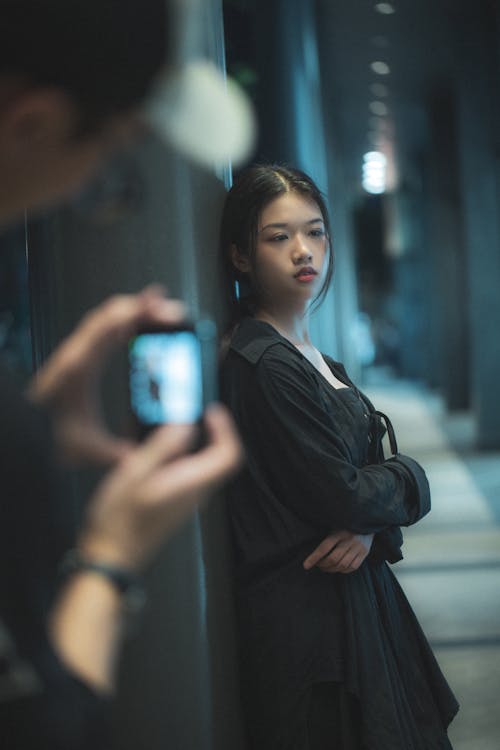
(126, 582)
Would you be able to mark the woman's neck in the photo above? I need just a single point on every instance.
(292, 325)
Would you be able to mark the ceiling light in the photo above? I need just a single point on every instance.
(378, 108)
(381, 68)
(386, 9)
(374, 189)
(374, 172)
(375, 157)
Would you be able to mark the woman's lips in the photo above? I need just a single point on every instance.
(306, 274)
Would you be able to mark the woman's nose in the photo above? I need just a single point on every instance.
(301, 250)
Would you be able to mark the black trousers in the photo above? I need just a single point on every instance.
(333, 720)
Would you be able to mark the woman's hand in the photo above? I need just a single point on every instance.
(340, 552)
(68, 383)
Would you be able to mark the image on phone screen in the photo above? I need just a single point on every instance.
(165, 377)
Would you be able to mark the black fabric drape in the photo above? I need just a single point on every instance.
(406, 702)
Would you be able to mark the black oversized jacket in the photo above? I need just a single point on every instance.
(309, 471)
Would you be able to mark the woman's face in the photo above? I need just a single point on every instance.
(291, 252)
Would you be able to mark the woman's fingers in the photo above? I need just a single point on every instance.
(340, 561)
(342, 552)
(326, 547)
(319, 553)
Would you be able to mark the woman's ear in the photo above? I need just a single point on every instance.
(240, 261)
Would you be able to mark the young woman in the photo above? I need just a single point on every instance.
(332, 656)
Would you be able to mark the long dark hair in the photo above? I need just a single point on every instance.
(254, 188)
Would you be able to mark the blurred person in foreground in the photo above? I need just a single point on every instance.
(73, 75)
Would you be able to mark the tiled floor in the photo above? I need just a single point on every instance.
(451, 570)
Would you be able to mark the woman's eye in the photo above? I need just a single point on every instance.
(279, 238)
(317, 233)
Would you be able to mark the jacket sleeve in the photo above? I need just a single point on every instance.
(295, 447)
(387, 545)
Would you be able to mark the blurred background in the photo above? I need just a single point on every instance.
(394, 109)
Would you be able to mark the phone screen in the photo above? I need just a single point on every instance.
(165, 377)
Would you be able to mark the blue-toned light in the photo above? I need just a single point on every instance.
(374, 172)
(386, 9)
(380, 67)
(166, 378)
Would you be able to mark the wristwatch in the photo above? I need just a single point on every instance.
(127, 583)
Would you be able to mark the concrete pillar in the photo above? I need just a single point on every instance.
(479, 86)
(447, 290)
(344, 186)
(292, 129)
(407, 246)
(343, 298)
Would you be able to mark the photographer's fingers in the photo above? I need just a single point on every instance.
(166, 452)
(162, 447)
(91, 441)
(157, 487)
(199, 472)
(80, 356)
(116, 319)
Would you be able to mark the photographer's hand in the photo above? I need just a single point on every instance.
(155, 487)
(138, 505)
(68, 383)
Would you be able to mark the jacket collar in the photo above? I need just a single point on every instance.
(253, 337)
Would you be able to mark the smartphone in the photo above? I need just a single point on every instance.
(170, 378)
